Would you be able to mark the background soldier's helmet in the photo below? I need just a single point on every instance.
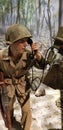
(58, 43)
(16, 32)
(59, 38)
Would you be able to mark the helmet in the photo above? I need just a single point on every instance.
(16, 32)
(59, 38)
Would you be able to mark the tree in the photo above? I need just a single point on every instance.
(49, 21)
(60, 12)
(18, 12)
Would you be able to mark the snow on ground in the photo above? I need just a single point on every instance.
(2, 124)
(45, 114)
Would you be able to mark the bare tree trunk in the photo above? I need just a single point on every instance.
(18, 12)
(11, 10)
(49, 21)
(38, 16)
(3, 16)
(60, 13)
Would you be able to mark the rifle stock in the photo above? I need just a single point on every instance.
(4, 96)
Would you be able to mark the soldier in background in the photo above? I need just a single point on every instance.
(15, 62)
(54, 76)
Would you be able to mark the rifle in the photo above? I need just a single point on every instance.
(3, 96)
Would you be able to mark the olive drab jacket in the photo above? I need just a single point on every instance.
(16, 75)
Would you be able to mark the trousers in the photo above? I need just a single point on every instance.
(26, 118)
(26, 115)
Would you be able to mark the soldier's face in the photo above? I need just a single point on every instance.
(20, 45)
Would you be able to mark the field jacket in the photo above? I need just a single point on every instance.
(16, 75)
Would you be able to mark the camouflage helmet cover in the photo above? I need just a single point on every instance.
(16, 32)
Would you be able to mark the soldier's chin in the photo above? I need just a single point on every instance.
(22, 51)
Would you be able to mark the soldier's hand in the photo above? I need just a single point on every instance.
(35, 48)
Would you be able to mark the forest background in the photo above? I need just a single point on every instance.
(42, 17)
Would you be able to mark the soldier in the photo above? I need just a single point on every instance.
(15, 62)
(55, 74)
(54, 77)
